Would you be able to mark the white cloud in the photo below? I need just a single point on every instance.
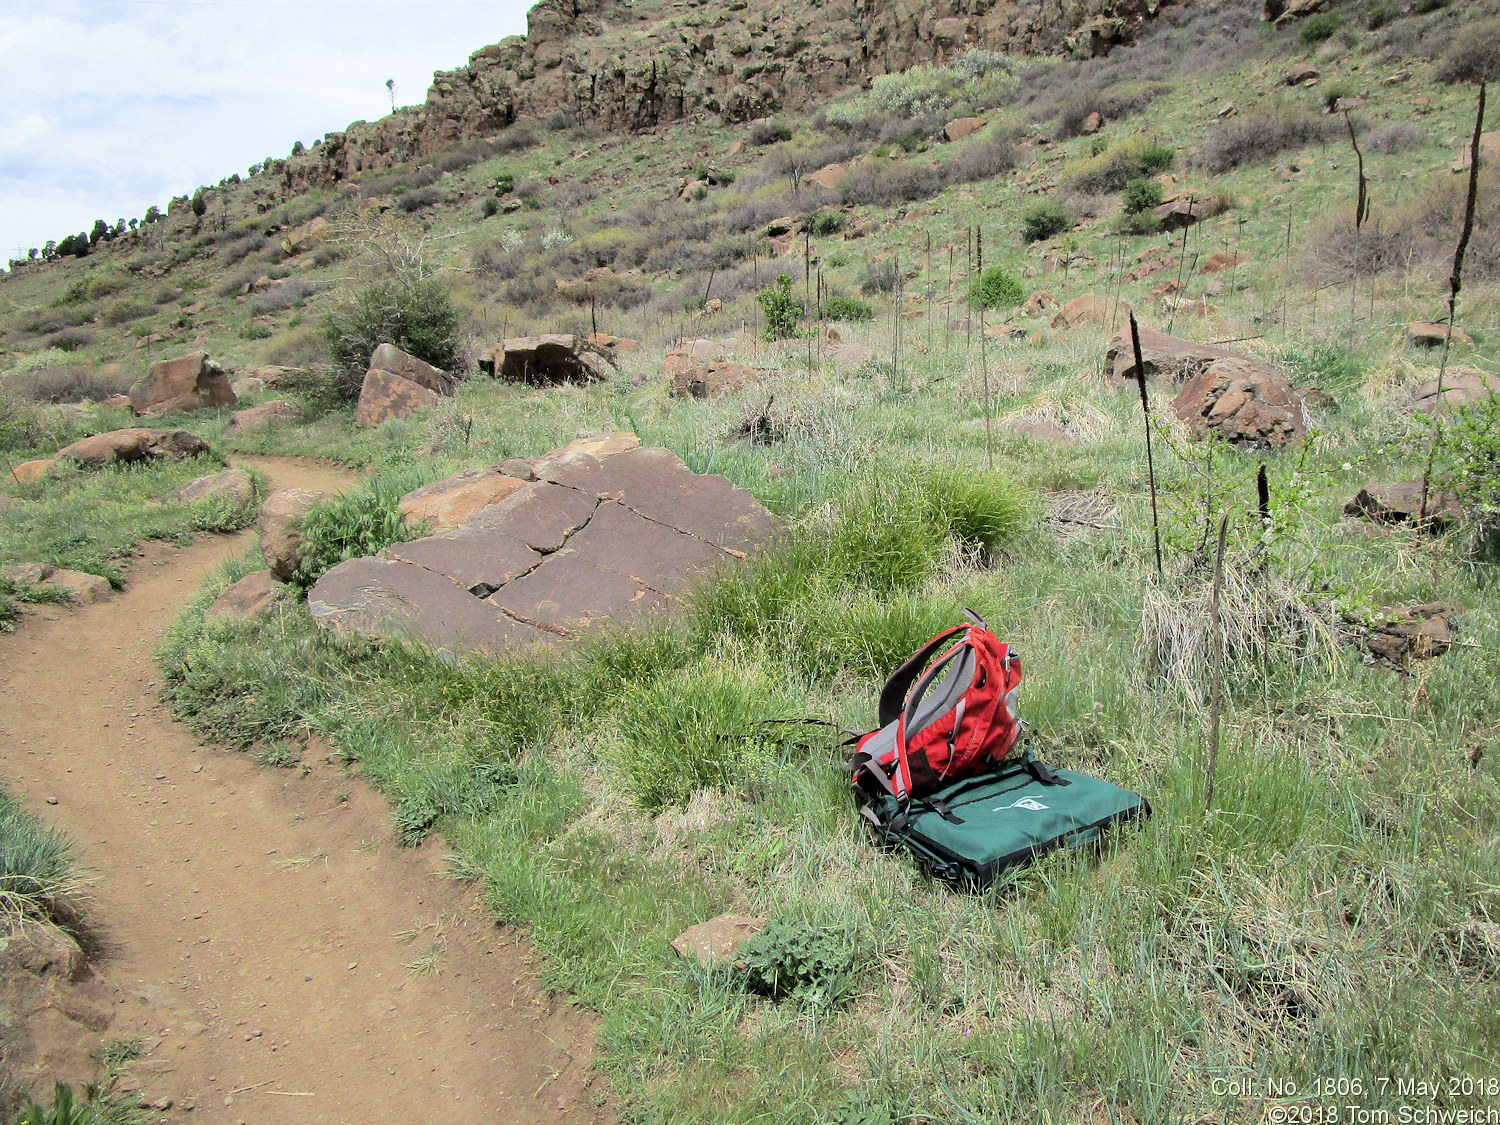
(113, 105)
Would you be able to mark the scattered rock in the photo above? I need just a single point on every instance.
(592, 542)
(1178, 213)
(1091, 309)
(118, 400)
(133, 445)
(1422, 334)
(1223, 260)
(554, 358)
(33, 574)
(249, 385)
(248, 598)
(1300, 74)
(280, 527)
(828, 177)
(1092, 123)
(312, 233)
(189, 382)
(522, 468)
(271, 373)
(1462, 386)
(81, 588)
(1401, 503)
(961, 127)
(614, 344)
(449, 502)
(716, 939)
(1489, 152)
(258, 417)
(1039, 303)
(1039, 429)
(43, 951)
(384, 396)
(699, 378)
(1417, 633)
(860, 228)
(850, 357)
(1244, 402)
(388, 357)
(233, 484)
(28, 471)
(1162, 356)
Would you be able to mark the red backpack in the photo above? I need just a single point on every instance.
(943, 721)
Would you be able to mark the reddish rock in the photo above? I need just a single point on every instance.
(134, 445)
(248, 386)
(716, 939)
(828, 177)
(388, 357)
(118, 400)
(1300, 74)
(81, 588)
(1091, 310)
(449, 502)
(850, 357)
(961, 127)
(1418, 633)
(249, 598)
(1181, 212)
(232, 484)
(1092, 123)
(1401, 503)
(1422, 334)
(1489, 152)
(189, 382)
(1244, 402)
(1462, 386)
(599, 446)
(697, 378)
(1223, 260)
(28, 471)
(1162, 356)
(258, 417)
(280, 527)
(1039, 303)
(1039, 429)
(384, 396)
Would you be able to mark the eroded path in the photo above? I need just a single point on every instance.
(283, 959)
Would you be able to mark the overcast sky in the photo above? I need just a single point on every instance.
(110, 106)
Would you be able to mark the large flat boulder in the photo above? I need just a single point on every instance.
(1245, 403)
(280, 527)
(1462, 386)
(449, 502)
(1091, 310)
(596, 541)
(557, 357)
(189, 382)
(1161, 355)
(133, 445)
(390, 358)
(232, 484)
(385, 395)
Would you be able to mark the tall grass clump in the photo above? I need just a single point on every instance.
(362, 522)
(1118, 164)
(37, 868)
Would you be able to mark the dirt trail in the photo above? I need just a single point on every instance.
(282, 957)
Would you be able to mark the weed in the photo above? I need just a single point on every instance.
(1043, 220)
(780, 308)
(789, 959)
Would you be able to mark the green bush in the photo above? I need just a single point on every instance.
(1315, 29)
(1118, 164)
(1378, 16)
(841, 307)
(790, 959)
(419, 319)
(1045, 219)
(1140, 195)
(820, 224)
(995, 288)
(359, 523)
(781, 309)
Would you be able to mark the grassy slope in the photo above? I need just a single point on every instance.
(1322, 922)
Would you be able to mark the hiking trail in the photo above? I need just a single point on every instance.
(280, 956)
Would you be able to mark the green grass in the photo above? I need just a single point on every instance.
(38, 872)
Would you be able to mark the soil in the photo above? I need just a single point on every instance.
(280, 956)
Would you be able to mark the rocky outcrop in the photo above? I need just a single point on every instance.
(1417, 633)
(592, 542)
(280, 528)
(628, 68)
(1162, 356)
(235, 485)
(1244, 402)
(259, 417)
(1093, 310)
(447, 503)
(133, 445)
(703, 378)
(384, 395)
(557, 357)
(189, 382)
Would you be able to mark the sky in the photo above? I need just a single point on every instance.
(110, 106)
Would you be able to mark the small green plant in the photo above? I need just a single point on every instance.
(842, 307)
(279, 755)
(820, 224)
(490, 207)
(1318, 28)
(782, 312)
(1330, 94)
(1140, 195)
(1043, 220)
(359, 523)
(792, 960)
(254, 330)
(36, 865)
(996, 288)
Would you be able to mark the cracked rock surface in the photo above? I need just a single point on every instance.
(594, 541)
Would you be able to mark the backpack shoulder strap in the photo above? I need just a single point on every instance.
(893, 695)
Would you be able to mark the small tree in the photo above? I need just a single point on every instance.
(200, 204)
(1141, 195)
(781, 309)
(995, 288)
(1044, 220)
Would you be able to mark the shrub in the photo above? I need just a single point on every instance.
(284, 296)
(1118, 164)
(764, 133)
(92, 288)
(841, 307)
(419, 319)
(880, 277)
(127, 309)
(1397, 136)
(820, 224)
(242, 248)
(1113, 103)
(1474, 56)
(1142, 195)
(1326, 366)
(995, 288)
(1259, 136)
(416, 200)
(781, 310)
(882, 184)
(1330, 94)
(1043, 220)
(1378, 16)
(1315, 29)
(69, 339)
(360, 523)
(70, 383)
